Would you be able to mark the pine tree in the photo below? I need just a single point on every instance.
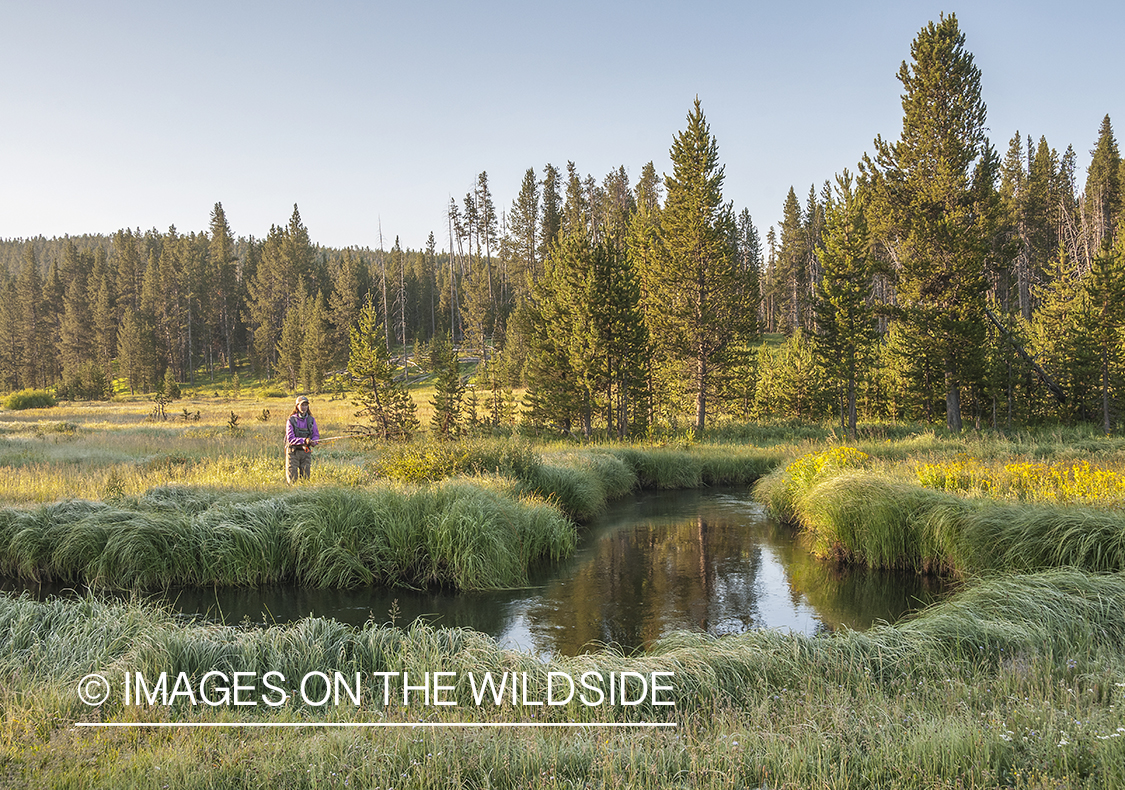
(699, 293)
(286, 263)
(523, 230)
(129, 271)
(348, 289)
(133, 354)
(147, 318)
(792, 381)
(748, 251)
(51, 310)
(792, 274)
(103, 314)
(933, 191)
(563, 343)
(316, 351)
(289, 344)
(170, 388)
(30, 339)
(222, 284)
(430, 266)
(553, 395)
(449, 389)
(643, 250)
(1102, 197)
(489, 231)
(75, 330)
(1105, 297)
(576, 206)
(773, 287)
(551, 218)
(1055, 333)
(846, 323)
(9, 323)
(619, 319)
(385, 403)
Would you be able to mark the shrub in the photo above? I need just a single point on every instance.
(422, 461)
(30, 399)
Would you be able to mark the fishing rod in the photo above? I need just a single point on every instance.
(309, 445)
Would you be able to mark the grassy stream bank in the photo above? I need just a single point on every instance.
(1017, 682)
(851, 509)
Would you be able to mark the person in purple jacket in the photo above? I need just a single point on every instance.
(301, 435)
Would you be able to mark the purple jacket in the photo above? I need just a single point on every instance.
(300, 430)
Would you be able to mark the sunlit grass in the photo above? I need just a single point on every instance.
(973, 517)
(97, 450)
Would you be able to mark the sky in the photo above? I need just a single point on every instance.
(370, 116)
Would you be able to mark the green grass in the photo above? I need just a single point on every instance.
(1016, 682)
(872, 517)
(451, 534)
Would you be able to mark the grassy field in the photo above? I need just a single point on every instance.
(1017, 681)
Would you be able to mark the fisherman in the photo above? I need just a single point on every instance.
(301, 435)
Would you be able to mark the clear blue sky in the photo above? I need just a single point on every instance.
(144, 114)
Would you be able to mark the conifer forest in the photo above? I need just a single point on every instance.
(946, 277)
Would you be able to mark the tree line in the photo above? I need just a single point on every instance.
(939, 281)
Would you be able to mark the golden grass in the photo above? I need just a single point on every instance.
(100, 450)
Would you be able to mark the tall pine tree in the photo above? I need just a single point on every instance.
(699, 294)
(934, 189)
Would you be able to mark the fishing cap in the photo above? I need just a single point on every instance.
(301, 399)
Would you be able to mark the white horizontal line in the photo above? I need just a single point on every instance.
(409, 725)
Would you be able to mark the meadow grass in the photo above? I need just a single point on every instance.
(851, 509)
(1016, 682)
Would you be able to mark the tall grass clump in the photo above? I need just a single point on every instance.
(1061, 613)
(580, 482)
(1029, 537)
(782, 489)
(430, 460)
(871, 519)
(879, 522)
(660, 467)
(701, 465)
(476, 534)
(455, 535)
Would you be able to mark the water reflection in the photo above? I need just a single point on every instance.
(706, 561)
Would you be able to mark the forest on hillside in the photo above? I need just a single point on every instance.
(938, 281)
